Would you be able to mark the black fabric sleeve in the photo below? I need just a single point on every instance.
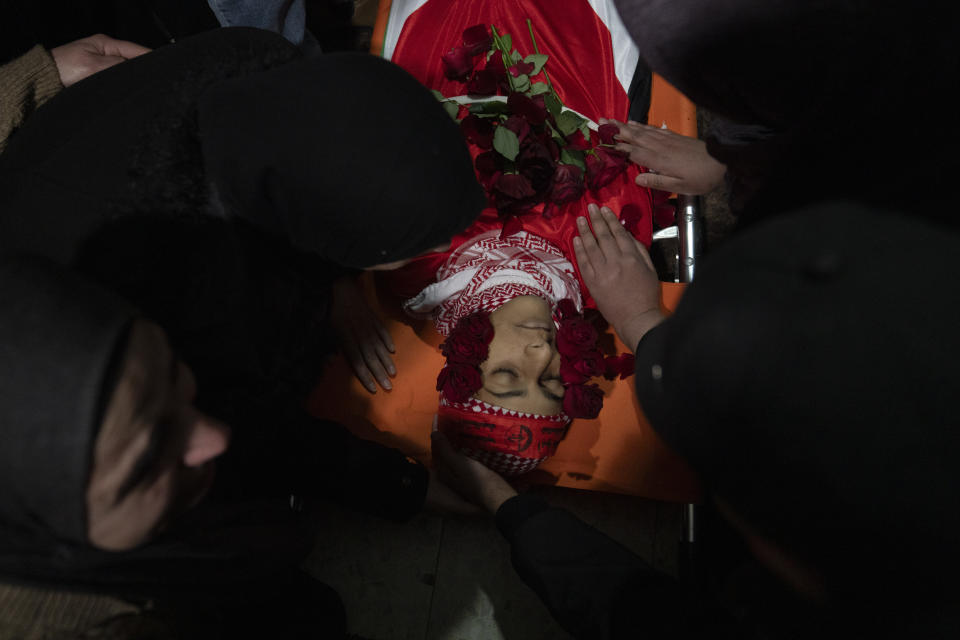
(357, 473)
(593, 587)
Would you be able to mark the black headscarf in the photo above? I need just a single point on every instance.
(810, 375)
(839, 96)
(59, 340)
(346, 155)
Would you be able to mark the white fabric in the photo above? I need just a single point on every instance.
(486, 272)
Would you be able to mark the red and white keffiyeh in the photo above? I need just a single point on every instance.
(489, 271)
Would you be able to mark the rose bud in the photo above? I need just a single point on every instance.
(521, 68)
(576, 140)
(603, 167)
(567, 184)
(483, 83)
(606, 133)
(477, 39)
(457, 63)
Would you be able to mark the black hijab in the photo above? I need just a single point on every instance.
(809, 374)
(835, 98)
(345, 155)
(59, 338)
(61, 342)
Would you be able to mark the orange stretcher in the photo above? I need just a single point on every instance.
(617, 452)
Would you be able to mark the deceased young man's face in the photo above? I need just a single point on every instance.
(522, 371)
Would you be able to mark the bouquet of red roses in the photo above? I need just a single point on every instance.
(534, 150)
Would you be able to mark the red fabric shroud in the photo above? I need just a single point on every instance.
(581, 68)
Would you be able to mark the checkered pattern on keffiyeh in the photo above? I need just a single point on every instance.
(509, 442)
(489, 271)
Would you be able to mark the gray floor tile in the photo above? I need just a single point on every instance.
(478, 596)
(383, 571)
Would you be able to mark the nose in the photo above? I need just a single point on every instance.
(541, 349)
(208, 439)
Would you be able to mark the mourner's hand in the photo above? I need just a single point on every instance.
(442, 499)
(619, 275)
(678, 164)
(471, 479)
(366, 343)
(82, 58)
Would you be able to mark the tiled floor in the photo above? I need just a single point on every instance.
(449, 578)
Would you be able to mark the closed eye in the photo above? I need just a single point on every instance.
(510, 372)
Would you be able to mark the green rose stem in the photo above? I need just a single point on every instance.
(537, 51)
(506, 54)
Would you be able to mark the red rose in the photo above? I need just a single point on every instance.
(462, 348)
(621, 366)
(457, 63)
(603, 167)
(518, 125)
(583, 401)
(535, 162)
(576, 140)
(483, 83)
(477, 39)
(567, 184)
(512, 193)
(514, 186)
(458, 381)
(580, 368)
(477, 327)
(566, 308)
(606, 133)
(521, 68)
(575, 337)
(477, 130)
(530, 110)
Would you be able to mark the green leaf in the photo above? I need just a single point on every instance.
(516, 57)
(538, 88)
(495, 106)
(574, 157)
(507, 41)
(553, 104)
(452, 108)
(521, 83)
(439, 96)
(506, 143)
(538, 60)
(585, 130)
(568, 122)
